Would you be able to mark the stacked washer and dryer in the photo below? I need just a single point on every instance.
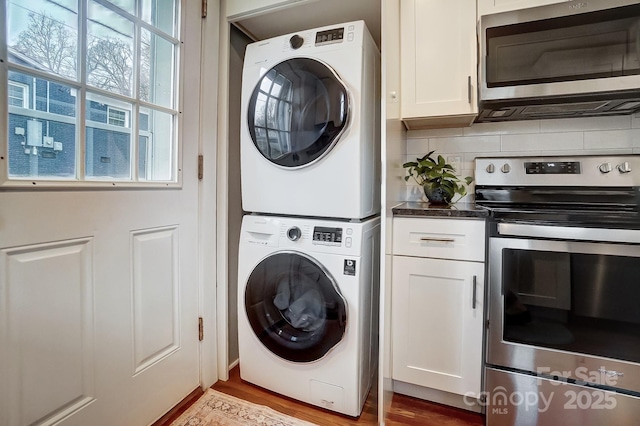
(308, 268)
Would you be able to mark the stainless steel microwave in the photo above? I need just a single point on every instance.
(568, 59)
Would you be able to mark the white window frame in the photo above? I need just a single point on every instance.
(25, 93)
(125, 120)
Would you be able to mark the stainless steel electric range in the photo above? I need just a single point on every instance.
(563, 343)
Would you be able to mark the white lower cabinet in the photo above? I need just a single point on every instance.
(437, 319)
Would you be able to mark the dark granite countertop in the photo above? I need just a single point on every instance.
(421, 208)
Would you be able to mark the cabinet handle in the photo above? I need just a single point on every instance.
(439, 240)
(470, 89)
(475, 290)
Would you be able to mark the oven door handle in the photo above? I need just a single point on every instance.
(570, 233)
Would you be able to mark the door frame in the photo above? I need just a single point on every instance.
(211, 255)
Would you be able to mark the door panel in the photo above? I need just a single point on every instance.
(48, 325)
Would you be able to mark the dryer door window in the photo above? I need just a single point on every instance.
(294, 307)
(297, 112)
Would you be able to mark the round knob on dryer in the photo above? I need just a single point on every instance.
(624, 167)
(294, 233)
(605, 167)
(296, 41)
(506, 168)
(490, 168)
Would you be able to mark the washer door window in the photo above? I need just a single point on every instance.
(297, 112)
(294, 307)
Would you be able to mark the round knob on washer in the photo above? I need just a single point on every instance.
(624, 167)
(294, 233)
(490, 168)
(506, 168)
(296, 41)
(605, 168)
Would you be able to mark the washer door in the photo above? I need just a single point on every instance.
(294, 307)
(297, 112)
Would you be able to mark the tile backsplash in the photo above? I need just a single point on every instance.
(572, 136)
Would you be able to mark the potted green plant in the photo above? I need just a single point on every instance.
(437, 177)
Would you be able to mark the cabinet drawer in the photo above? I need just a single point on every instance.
(458, 239)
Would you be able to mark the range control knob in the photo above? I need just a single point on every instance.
(624, 167)
(294, 233)
(506, 168)
(605, 167)
(490, 168)
(296, 41)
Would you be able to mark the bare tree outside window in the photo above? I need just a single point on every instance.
(50, 44)
(110, 65)
(53, 46)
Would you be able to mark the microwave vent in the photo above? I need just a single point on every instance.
(576, 107)
(629, 105)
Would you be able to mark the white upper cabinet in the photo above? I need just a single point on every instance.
(438, 63)
(237, 9)
(486, 7)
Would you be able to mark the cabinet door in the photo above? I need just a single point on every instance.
(438, 59)
(437, 325)
(495, 6)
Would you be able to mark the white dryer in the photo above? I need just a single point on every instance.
(310, 136)
(306, 292)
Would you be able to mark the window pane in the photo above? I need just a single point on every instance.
(128, 5)
(109, 50)
(43, 35)
(108, 144)
(161, 14)
(156, 70)
(159, 152)
(42, 142)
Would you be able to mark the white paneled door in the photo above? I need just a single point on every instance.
(99, 289)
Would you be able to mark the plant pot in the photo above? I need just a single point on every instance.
(436, 195)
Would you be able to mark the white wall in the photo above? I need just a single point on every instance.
(573, 136)
(238, 44)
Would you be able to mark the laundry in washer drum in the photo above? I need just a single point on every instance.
(300, 302)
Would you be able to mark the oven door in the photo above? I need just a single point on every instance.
(563, 301)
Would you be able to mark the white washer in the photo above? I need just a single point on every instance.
(306, 291)
(310, 133)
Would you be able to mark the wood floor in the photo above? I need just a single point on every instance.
(404, 410)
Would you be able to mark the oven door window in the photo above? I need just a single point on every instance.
(585, 303)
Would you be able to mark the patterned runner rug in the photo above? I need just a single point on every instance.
(217, 408)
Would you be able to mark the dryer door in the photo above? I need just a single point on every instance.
(297, 112)
(295, 307)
